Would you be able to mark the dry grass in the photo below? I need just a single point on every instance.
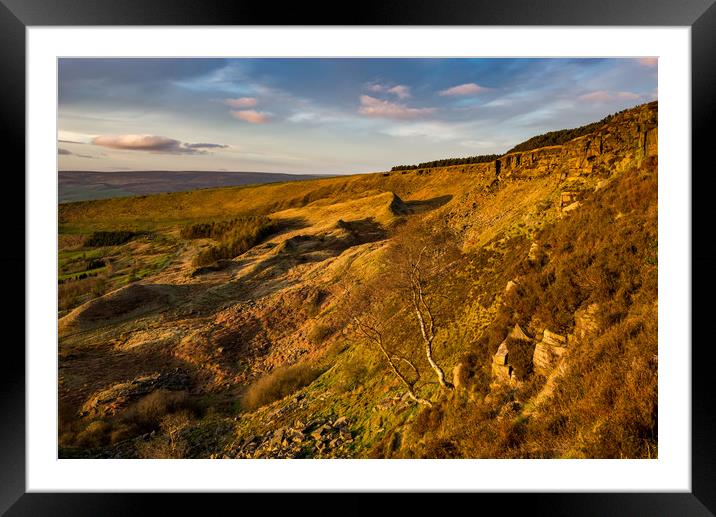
(149, 410)
(279, 383)
(605, 405)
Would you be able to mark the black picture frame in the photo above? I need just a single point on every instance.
(700, 15)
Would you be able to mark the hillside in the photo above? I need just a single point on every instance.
(497, 309)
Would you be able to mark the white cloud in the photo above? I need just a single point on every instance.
(372, 107)
(73, 137)
(399, 90)
(433, 131)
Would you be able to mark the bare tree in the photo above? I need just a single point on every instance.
(375, 336)
(424, 315)
(422, 257)
(413, 268)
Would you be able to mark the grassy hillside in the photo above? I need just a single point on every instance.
(417, 313)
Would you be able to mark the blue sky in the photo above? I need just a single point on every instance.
(326, 115)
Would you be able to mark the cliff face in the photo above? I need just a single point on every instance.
(625, 141)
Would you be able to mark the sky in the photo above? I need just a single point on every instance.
(329, 116)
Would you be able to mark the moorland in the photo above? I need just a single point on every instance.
(492, 307)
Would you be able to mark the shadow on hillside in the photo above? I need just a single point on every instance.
(131, 301)
(305, 249)
(289, 224)
(425, 205)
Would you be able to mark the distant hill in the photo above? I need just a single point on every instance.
(88, 185)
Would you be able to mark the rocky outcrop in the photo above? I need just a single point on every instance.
(502, 371)
(548, 352)
(586, 323)
(570, 198)
(626, 140)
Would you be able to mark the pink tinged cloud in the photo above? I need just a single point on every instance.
(135, 142)
(251, 116)
(377, 108)
(627, 96)
(152, 143)
(650, 62)
(463, 89)
(606, 96)
(401, 91)
(241, 102)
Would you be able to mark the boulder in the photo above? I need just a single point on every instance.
(511, 286)
(502, 355)
(533, 254)
(518, 333)
(548, 352)
(459, 375)
(585, 322)
(501, 369)
(568, 197)
(571, 207)
(554, 339)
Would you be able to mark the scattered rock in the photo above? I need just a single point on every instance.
(316, 439)
(111, 400)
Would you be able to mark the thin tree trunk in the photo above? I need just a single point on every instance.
(427, 331)
(376, 337)
(428, 340)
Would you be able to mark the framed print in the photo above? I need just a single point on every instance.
(439, 250)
